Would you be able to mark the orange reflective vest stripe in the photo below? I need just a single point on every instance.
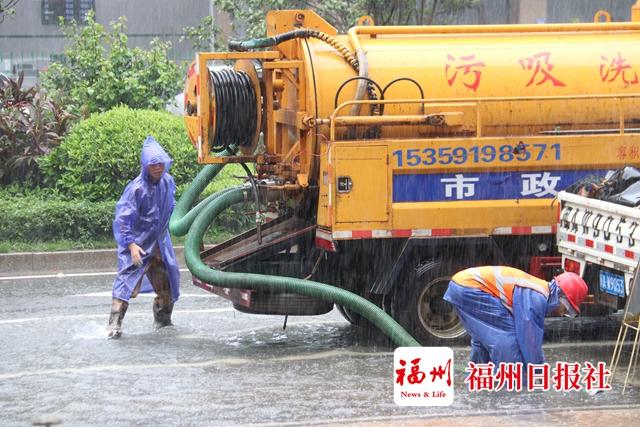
(500, 282)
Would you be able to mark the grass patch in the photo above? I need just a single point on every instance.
(62, 245)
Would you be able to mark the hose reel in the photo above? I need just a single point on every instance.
(236, 107)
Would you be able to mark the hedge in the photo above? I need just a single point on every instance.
(39, 218)
(101, 154)
(32, 219)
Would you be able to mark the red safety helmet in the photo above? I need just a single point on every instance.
(573, 287)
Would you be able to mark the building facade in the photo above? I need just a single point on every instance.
(31, 38)
(543, 11)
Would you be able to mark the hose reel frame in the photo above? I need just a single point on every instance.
(235, 93)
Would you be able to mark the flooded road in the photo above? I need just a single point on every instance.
(220, 367)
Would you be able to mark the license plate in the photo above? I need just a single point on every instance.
(612, 283)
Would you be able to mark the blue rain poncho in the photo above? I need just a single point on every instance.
(142, 217)
(498, 335)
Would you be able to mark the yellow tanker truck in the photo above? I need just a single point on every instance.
(389, 158)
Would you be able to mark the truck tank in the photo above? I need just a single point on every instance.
(407, 153)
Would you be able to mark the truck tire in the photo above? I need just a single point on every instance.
(350, 316)
(418, 305)
(356, 319)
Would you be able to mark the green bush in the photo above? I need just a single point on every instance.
(30, 126)
(89, 171)
(36, 219)
(99, 71)
(101, 154)
(39, 217)
(16, 191)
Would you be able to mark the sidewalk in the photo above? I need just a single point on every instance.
(30, 263)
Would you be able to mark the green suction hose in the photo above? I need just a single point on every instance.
(194, 222)
(276, 283)
(183, 215)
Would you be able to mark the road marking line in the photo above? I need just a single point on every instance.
(329, 354)
(61, 275)
(100, 316)
(203, 364)
(107, 368)
(146, 295)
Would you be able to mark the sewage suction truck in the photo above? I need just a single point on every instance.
(389, 158)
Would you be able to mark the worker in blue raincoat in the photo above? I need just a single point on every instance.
(503, 310)
(146, 260)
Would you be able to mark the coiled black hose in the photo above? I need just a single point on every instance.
(236, 109)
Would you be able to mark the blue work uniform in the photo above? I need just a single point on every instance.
(504, 331)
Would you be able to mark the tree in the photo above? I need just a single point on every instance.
(7, 8)
(418, 12)
(343, 14)
(99, 71)
(204, 36)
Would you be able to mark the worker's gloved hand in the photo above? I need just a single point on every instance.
(136, 254)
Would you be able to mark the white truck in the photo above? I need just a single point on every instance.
(600, 241)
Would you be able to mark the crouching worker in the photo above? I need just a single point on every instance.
(503, 310)
(146, 260)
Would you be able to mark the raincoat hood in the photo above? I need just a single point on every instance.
(153, 153)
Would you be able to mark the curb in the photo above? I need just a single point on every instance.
(29, 263)
(610, 416)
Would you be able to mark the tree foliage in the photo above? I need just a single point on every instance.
(204, 36)
(99, 71)
(419, 12)
(7, 8)
(30, 126)
(343, 14)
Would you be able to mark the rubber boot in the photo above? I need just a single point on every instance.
(118, 310)
(162, 314)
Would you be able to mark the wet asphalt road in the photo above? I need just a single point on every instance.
(220, 367)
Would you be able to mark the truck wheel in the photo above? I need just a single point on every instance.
(348, 315)
(356, 319)
(418, 305)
